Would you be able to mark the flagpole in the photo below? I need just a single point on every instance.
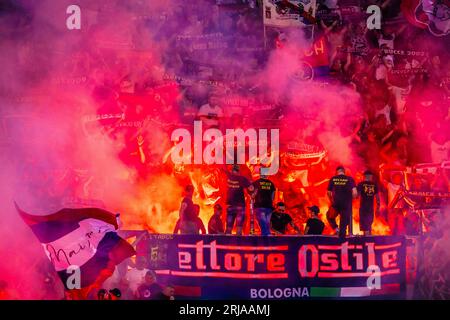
(264, 23)
(252, 218)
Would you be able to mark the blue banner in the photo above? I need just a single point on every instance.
(285, 267)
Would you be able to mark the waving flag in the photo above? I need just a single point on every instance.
(83, 239)
(434, 15)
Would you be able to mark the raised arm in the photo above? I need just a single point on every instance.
(354, 192)
(177, 227)
(329, 191)
(306, 230)
(330, 196)
(326, 29)
(293, 225)
(348, 61)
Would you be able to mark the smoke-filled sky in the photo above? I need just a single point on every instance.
(50, 88)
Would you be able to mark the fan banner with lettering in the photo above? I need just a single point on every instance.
(286, 267)
(289, 13)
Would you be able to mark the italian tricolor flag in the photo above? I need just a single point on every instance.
(330, 292)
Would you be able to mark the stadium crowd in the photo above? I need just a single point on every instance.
(199, 63)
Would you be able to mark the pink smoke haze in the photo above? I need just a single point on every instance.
(47, 97)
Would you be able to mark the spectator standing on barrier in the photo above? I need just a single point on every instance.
(396, 219)
(186, 223)
(263, 202)
(236, 184)
(191, 225)
(314, 226)
(279, 220)
(215, 224)
(150, 288)
(341, 191)
(367, 190)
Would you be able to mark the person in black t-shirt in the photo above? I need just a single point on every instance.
(280, 220)
(341, 191)
(367, 190)
(149, 289)
(314, 225)
(187, 206)
(236, 184)
(263, 203)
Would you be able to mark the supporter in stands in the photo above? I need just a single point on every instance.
(187, 212)
(191, 225)
(440, 182)
(440, 144)
(280, 220)
(211, 113)
(395, 206)
(150, 288)
(167, 293)
(102, 294)
(400, 112)
(215, 224)
(236, 184)
(341, 191)
(314, 226)
(135, 276)
(115, 294)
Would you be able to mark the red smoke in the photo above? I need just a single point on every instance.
(63, 92)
